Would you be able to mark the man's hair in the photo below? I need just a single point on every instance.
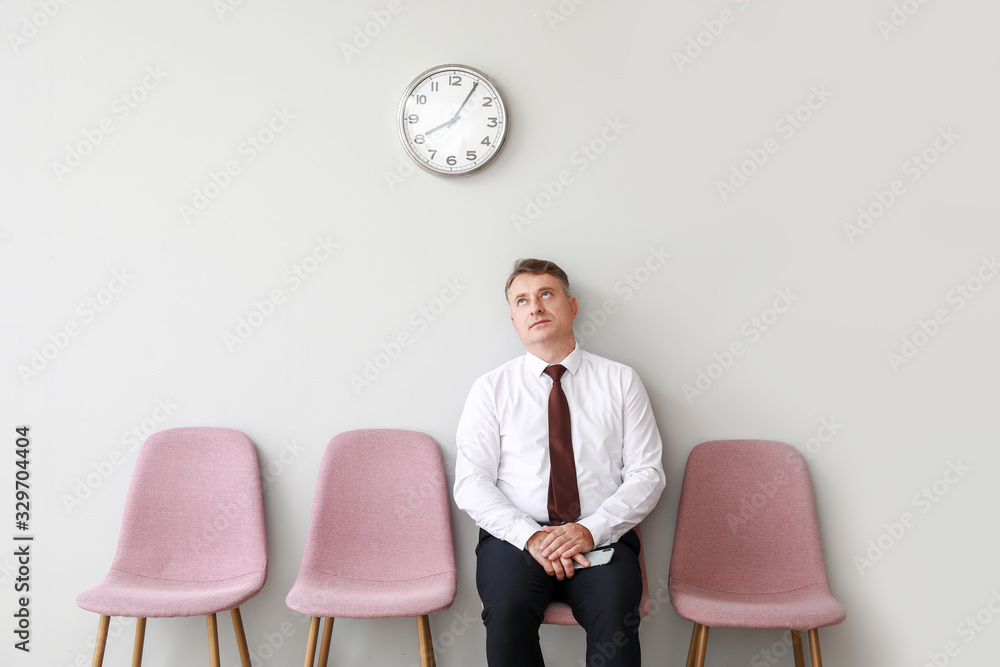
(537, 267)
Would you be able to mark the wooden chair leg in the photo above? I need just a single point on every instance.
(426, 643)
(324, 646)
(140, 637)
(102, 640)
(699, 654)
(311, 642)
(694, 645)
(814, 656)
(213, 640)
(241, 636)
(797, 648)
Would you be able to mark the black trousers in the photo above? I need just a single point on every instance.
(515, 590)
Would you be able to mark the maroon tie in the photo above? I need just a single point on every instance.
(564, 497)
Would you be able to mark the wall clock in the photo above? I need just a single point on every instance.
(452, 120)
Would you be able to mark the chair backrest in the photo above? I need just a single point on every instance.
(746, 521)
(384, 490)
(194, 510)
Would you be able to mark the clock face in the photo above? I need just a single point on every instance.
(452, 120)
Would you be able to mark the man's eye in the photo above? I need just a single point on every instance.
(521, 302)
(546, 294)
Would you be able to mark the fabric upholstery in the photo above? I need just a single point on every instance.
(379, 543)
(192, 539)
(747, 549)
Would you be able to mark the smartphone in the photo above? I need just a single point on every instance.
(597, 557)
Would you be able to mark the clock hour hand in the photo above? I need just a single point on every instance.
(447, 123)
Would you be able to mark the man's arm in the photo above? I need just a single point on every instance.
(643, 480)
(476, 468)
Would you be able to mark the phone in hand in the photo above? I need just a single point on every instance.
(597, 557)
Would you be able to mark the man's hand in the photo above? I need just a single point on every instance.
(556, 547)
(570, 540)
(560, 568)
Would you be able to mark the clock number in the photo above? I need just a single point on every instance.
(484, 142)
(492, 123)
(454, 80)
(434, 86)
(419, 139)
(451, 161)
(413, 118)
(470, 156)
(421, 99)
(487, 101)
(432, 151)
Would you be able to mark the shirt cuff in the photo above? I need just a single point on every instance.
(522, 531)
(599, 529)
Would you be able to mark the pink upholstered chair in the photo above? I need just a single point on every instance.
(560, 613)
(192, 539)
(379, 542)
(747, 551)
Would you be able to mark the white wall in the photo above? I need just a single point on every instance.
(224, 74)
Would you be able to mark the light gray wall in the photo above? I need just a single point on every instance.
(156, 356)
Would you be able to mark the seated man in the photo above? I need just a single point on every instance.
(558, 453)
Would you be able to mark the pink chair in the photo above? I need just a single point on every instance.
(747, 551)
(379, 542)
(192, 539)
(560, 613)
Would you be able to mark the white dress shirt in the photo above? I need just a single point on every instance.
(502, 466)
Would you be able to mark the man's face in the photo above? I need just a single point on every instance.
(540, 310)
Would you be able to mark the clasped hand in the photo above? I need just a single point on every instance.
(556, 547)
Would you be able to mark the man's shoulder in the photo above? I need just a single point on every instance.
(515, 365)
(600, 363)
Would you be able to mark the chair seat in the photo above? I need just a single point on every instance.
(137, 596)
(318, 593)
(800, 609)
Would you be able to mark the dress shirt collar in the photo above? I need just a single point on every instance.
(572, 362)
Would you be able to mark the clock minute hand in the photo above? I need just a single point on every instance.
(455, 118)
(466, 101)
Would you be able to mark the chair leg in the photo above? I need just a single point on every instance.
(213, 640)
(324, 646)
(241, 636)
(140, 637)
(797, 648)
(426, 643)
(814, 656)
(102, 640)
(694, 645)
(699, 654)
(311, 642)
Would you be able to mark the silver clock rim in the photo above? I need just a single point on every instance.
(415, 156)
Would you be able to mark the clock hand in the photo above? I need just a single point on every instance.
(456, 117)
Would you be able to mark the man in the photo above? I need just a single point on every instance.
(545, 487)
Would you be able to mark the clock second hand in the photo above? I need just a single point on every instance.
(456, 117)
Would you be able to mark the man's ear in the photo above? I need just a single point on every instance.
(573, 306)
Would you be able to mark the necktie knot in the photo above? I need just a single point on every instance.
(555, 371)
